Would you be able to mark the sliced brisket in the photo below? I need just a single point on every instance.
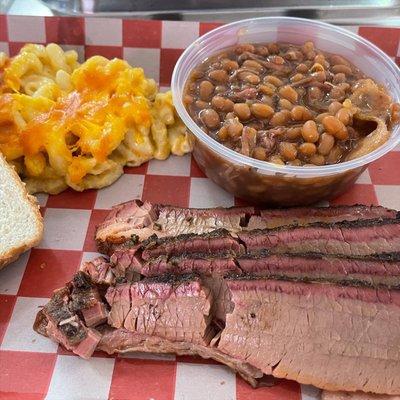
(216, 241)
(136, 221)
(361, 237)
(174, 308)
(273, 218)
(334, 337)
(329, 336)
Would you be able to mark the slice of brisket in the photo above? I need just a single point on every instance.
(175, 308)
(361, 237)
(329, 336)
(334, 337)
(212, 242)
(273, 218)
(136, 221)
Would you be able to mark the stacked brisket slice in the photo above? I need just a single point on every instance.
(304, 294)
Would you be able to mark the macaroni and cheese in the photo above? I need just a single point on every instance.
(64, 124)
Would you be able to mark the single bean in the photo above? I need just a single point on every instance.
(197, 74)
(311, 55)
(280, 118)
(334, 107)
(309, 132)
(338, 60)
(235, 128)
(223, 133)
(319, 76)
(293, 133)
(320, 117)
(285, 104)
(307, 47)
(187, 99)
(262, 50)
(218, 103)
(210, 118)
(242, 110)
(308, 149)
(297, 77)
(344, 69)
(228, 105)
(320, 59)
(273, 48)
(250, 78)
(276, 60)
(260, 110)
(317, 67)
(288, 93)
(335, 127)
(206, 89)
(218, 75)
(273, 80)
(276, 160)
(254, 65)
(317, 159)
(339, 78)
(200, 104)
(229, 65)
(302, 68)
(241, 48)
(268, 89)
(260, 153)
(288, 150)
(344, 116)
(326, 143)
(301, 113)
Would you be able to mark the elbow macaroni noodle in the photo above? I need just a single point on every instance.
(65, 124)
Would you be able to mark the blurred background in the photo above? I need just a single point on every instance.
(367, 12)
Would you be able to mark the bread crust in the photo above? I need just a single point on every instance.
(12, 254)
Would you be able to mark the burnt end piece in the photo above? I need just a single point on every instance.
(58, 312)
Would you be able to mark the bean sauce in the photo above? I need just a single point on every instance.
(287, 104)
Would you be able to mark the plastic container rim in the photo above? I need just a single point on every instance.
(300, 171)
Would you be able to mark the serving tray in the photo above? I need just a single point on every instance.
(33, 367)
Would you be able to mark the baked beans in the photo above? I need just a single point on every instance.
(286, 104)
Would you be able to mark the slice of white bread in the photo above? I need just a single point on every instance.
(21, 224)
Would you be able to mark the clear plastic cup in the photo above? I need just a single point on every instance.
(263, 182)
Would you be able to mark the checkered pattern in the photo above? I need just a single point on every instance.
(32, 367)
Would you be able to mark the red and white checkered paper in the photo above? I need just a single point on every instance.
(33, 367)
